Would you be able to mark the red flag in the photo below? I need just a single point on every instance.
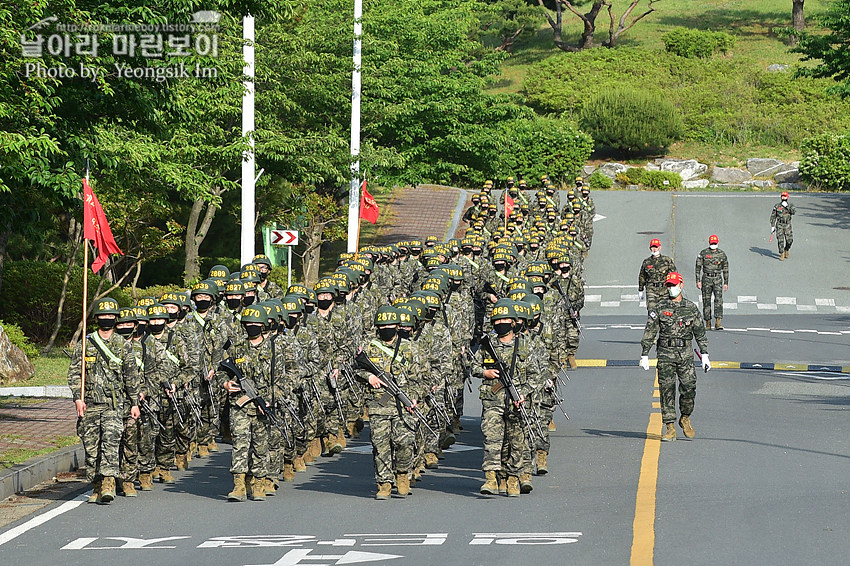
(509, 206)
(96, 228)
(368, 207)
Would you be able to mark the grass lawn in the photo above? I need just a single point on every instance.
(49, 370)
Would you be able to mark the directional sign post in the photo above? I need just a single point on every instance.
(286, 238)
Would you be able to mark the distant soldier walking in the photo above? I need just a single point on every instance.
(780, 224)
(653, 272)
(712, 277)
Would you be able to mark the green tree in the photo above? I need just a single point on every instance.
(829, 46)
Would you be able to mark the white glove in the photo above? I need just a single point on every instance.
(772, 229)
(640, 295)
(644, 362)
(706, 363)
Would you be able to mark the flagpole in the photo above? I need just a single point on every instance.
(85, 295)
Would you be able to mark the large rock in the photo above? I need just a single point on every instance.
(730, 176)
(611, 169)
(791, 186)
(762, 184)
(763, 167)
(696, 184)
(686, 168)
(790, 176)
(14, 364)
(588, 170)
(652, 167)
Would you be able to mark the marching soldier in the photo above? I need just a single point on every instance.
(653, 273)
(780, 224)
(675, 321)
(712, 276)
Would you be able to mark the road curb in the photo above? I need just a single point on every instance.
(52, 391)
(769, 366)
(40, 469)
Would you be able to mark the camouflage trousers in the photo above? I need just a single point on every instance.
(505, 443)
(544, 410)
(100, 430)
(676, 363)
(784, 237)
(712, 287)
(166, 440)
(250, 432)
(138, 447)
(208, 429)
(653, 295)
(393, 439)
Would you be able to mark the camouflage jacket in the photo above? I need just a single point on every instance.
(271, 291)
(407, 369)
(255, 362)
(782, 214)
(528, 372)
(712, 263)
(654, 270)
(111, 374)
(675, 323)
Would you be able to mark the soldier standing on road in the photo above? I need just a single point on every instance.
(110, 382)
(712, 276)
(780, 223)
(676, 321)
(653, 272)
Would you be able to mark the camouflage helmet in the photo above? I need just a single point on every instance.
(219, 272)
(205, 287)
(234, 288)
(386, 315)
(170, 298)
(140, 313)
(157, 310)
(249, 278)
(262, 259)
(253, 314)
(504, 308)
(126, 314)
(299, 291)
(107, 305)
(292, 304)
(145, 302)
(326, 285)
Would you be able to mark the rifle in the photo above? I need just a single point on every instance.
(189, 397)
(251, 395)
(334, 387)
(305, 399)
(467, 372)
(440, 412)
(550, 389)
(570, 310)
(450, 396)
(488, 288)
(167, 387)
(149, 411)
(507, 381)
(208, 383)
(349, 378)
(293, 411)
(363, 362)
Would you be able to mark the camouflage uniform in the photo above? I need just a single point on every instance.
(138, 445)
(110, 381)
(675, 323)
(712, 270)
(780, 217)
(392, 428)
(207, 336)
(173, 363)
(653, 272)
(566, 333)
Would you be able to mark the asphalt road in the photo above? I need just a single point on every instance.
(764, 482)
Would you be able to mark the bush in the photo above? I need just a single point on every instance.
(632, 120)
(599, 181)
(650, 179)
(692, 43)
(155, 291)
(826, 161)
(19, 339)
(30, 296)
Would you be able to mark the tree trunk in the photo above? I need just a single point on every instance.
(195, 235)
(4, 241)
(621, 28)
(313, 253)
(797, 18)
(77, 238)
(588, 19)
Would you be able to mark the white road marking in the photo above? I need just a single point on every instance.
(747, 298)
(613, 304)
(730, 306)
(766, 307)
(43, 518)
(842, 309)
(610, 287)
(825, 302)
(296, 555)
(782, 331)
(786, 300)
(807, 308)
(598, 217)
(757, 328)
(829, 333)
(629, 298)
(592, 298)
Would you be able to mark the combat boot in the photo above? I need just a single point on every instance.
(333, 445)
(525, 483)
(384, 490)
(95, 491)
(288, 472)
(669, 433)
(708, 324)
(571, 360)
(238, 493)
(717, 325)
(212, 446)
(351, 429)
(156, 473)
(166, 477)
(448, 440)
(269, 486)
(552, 427)
(456, 428)
(298, 464)
(129, 489)
(145, 482)
(431, 461)
(402, 483)
(503, 483)
(193, 448)
(310, 454)
(258, 489)
(687, 428)
(782, 256)
(107, 491)
(340, 437)
(182, 462)
(491, 486)
(513, 486)
(542, 470)
(203, 451)
(787, 254)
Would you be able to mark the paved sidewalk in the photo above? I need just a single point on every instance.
(34, 423)
(422, 211)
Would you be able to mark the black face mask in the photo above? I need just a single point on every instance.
(126, 331)
(540, 294)
(248, 300)
(234, 303)
(182, 314)
(404, 332)
(387, 333)
(339, 299)
(503, 328)
(156, 328)
(263, 275)
(292, 322)
(455, 286)
(172, 316)
(477, 253)
(309, 308)
(203, 305)
(533, 322)
(253, 331)
(105, 323)
(324, 304)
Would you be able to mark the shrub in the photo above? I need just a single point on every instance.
(19, 339)
(650, 179)
(632, 120)
(30, 296)
(599, 181)
(826, 161)
(701, 44)
(155, 291)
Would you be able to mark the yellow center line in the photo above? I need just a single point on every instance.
(643, 528)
